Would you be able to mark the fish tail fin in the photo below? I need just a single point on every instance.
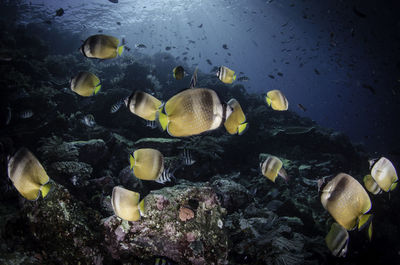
(45, 189)
(364, 220)
(162, 119)
(97, 89)
(120, 49)
(141, 207)
(370, 231)
(243, 128)
(269, 101)
(131, 161)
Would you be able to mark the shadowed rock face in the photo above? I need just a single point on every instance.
(197, 240)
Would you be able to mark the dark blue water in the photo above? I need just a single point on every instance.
(339, 59)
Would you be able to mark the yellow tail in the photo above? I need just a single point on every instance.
(242, 128)
(45, 189)
(364, 220)
(97, 89)
(162, 119)
(370, 232)
(120, 49)
(269, 101)
(131, 161)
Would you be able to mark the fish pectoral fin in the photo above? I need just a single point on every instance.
(131, 161)
(364, 220)
(242, 128)
(97, 89)
(120, 49)
(44, 189)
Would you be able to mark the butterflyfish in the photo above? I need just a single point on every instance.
(337, 240)
(347, 201)
(28, 175)
(276, 100)
(178, 72)
(236, 122)
(85, 84)
(226, 75)
(192, 112)
(126, 204)
(143, 105)
(272, 168)
(148, 164)
(384, 174)
(101, 46)
(371, 185)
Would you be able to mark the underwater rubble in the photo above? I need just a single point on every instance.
(220, 210)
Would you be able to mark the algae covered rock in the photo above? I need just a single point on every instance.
(66, 229)
(164, 231)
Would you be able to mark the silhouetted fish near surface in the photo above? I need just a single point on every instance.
(301, 107)
(243, 78)
(358, 13)
(140, 46)
(271, 76)
(370, 88)
(225, 46)
(200, 26)
(316, 71)
(167, 48)
(113, 1)
(59, 12)
(209, 61)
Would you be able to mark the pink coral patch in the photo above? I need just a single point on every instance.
(185, 214)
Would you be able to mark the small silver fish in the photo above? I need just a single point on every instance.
(88, 120)
(165, 176)
(151, 124)
(26, 114)
(187, 158)
(116, 106)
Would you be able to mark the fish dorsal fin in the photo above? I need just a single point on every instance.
(193, 81)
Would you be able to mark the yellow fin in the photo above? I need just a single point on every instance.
(45, 189)
(234, 77)
(394, 185)
(141, 207)
(370, 232)
(242, 128)
(269, 101)
(96, 89)
(364, 220)
(120, 49)
(162, 119)
(132, 161)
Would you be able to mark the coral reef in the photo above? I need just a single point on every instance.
(180, 223)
